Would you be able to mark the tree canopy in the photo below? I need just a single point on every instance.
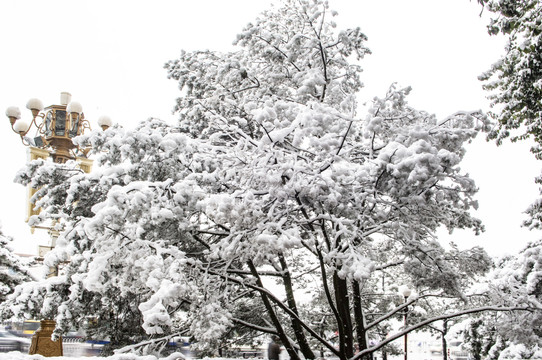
(270, 189)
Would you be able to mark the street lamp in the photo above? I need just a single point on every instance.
(104, 122)
(55, 127)
(405, 291)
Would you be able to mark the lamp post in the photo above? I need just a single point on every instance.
(55, 127)
(405, 291)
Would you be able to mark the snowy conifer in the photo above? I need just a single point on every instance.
(13, 271)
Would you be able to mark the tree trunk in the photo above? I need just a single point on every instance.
(330, 300)
(346, 345)
(444, 344)
(359, 319)
(296, 326)
(276, 322)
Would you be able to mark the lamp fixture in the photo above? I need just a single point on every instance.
(56, 126)
(405, 291)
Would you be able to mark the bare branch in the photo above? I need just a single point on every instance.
(267, 330)
(389, 339)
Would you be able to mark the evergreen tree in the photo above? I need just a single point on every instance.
(516, 79)
(518, 281)
(514, 82)
(13, 271)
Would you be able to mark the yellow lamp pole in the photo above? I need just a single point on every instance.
(55, 126)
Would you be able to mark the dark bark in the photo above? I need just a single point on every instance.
(276, 322)
(359, 319)
(346, 345)
(443, 337)
(270, 297)
(296, 326)
(329, 296)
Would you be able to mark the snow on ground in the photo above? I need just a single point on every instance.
(15, 355)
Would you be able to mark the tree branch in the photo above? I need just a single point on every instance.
(267, 330)
(429, 321)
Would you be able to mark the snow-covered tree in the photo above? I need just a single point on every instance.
(271, 190)
(515, 87)
(13, 271)
(515, 81)
(480, 337)
(517, 281)
(67, 196)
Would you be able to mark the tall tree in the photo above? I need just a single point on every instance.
(515, 86)
(269, 178)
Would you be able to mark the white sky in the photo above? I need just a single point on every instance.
(109, 55)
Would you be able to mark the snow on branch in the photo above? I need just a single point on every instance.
(391, 338)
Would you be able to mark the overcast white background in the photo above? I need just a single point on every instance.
(109, 55)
